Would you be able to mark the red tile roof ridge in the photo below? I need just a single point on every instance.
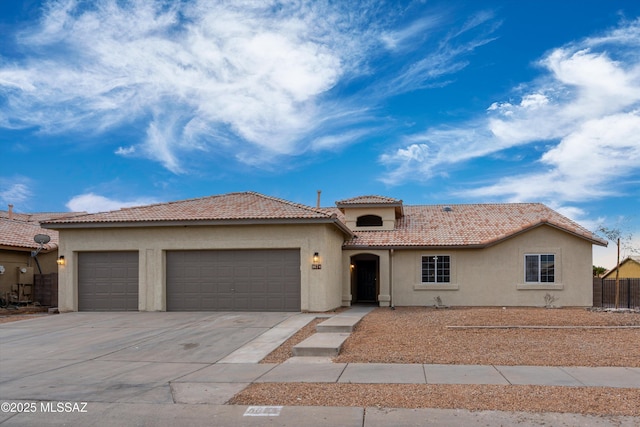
(235, 205)
(297, 205)
(369, 199)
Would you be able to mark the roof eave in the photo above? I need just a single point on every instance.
(501, 239)
(196, 223)
(50, 248)
(412, 247)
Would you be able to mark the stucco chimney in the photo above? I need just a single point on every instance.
(318, 200)
(10, 211)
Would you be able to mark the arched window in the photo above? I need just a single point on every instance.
(369, 221)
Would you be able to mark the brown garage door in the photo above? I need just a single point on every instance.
(233, 280)
(108, 281)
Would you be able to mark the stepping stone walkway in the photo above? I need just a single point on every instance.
(331, 334)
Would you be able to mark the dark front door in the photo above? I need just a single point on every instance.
(367, 273)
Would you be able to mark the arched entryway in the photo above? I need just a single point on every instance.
(365, 273)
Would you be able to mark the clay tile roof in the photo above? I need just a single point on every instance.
(467, 225)
(368, 200)
(19, 234)
(232, 206)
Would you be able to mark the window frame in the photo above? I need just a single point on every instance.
(436, 268)
(369, 220)
(545, 268)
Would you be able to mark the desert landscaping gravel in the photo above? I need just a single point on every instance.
(424, 335)
(524, 336)
(577, 400)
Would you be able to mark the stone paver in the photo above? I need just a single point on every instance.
(604, 376)
(321, 344)
(205, 393)
(338, 324)
(303, 373)
(228, 373)
(537, 375)
(380, 373)
(463, 374)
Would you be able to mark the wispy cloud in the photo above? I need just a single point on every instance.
(585, 108)
(90, 202)
(251, 80)
(15, 190)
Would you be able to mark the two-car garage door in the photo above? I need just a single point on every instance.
(210, 280)
(227, 280)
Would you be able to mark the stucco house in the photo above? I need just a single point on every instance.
(629, 268)
(17, 249)
(248, 251)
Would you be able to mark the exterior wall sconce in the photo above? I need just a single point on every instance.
(61, 260)
(316, 261)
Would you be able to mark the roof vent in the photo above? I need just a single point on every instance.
(447, 209)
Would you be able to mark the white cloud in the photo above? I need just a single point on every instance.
(14, 190)
(90, 202)
(445, 57)
(585, 108)
(125, 151)
(252, 80)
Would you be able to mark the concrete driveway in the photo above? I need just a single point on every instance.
(130, 357)
(168, 369)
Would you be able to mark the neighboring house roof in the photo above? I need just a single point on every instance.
(629, 259)
(37, 217)
(474, 225)
(248, 207)
(19, 235)
(17, 230)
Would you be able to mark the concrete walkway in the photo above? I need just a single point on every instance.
(170, 369)
(304, 369)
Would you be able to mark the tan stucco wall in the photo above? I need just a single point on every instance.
(388, 216)
(12, 260)
(320, 289)
(494, 276)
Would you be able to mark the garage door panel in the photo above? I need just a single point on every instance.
(240, 280)
(108, 281)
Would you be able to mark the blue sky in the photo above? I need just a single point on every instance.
(117, 103)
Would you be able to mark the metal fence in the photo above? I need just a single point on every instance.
(604, 292)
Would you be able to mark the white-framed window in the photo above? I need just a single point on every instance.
(436, 269)
(539, 268)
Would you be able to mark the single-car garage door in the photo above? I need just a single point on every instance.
(108, 281)
(233, 280)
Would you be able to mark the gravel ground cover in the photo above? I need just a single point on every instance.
(577, 400)
(424, 335)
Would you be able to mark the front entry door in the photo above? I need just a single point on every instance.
(367, 273)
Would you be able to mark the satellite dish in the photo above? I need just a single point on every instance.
(41, 239)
